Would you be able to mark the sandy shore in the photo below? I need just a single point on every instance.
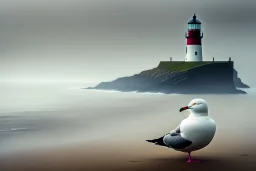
(131, 155)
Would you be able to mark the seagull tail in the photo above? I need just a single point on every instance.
(158, 141)
(151, 141)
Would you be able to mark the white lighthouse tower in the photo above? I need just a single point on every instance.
(194, 43)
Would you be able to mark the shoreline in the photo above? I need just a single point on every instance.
(238, 91)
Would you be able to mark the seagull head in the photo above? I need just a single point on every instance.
(197, 106)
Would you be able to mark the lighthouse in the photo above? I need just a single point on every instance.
(194, 43)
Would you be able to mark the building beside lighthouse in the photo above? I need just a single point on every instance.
(194, 37)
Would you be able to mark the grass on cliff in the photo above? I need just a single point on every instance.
(180, 66)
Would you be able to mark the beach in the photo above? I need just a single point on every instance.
(46, 127)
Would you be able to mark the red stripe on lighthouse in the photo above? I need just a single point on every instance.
(194, 33)
(194, 41)
(194, 37)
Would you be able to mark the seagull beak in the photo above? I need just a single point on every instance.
(184, 108)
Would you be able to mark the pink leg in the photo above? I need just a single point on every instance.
(190, 160)
(189, 157)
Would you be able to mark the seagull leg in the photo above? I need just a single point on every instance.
(190, 159)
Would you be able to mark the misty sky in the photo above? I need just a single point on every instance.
(94, 40)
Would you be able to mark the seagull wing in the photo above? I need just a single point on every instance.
(160, 141)
(172, 140)
(175, 131)
(176, 141)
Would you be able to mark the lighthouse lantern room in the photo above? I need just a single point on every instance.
(194, 43)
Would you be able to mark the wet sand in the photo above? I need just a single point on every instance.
(128, 156)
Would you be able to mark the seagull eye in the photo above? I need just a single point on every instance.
(194, 104)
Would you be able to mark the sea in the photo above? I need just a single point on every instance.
(38, 115)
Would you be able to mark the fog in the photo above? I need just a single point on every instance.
(101, 40)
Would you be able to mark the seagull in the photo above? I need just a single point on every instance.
(194, 133)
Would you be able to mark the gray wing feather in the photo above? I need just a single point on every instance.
(175, 131)
(176, 141)
(173, 140)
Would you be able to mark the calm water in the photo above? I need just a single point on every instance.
(40, 115)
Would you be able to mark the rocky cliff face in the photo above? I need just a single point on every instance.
(206, 79)
(238, 82)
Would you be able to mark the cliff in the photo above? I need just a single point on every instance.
(238, 82)
(181, 77)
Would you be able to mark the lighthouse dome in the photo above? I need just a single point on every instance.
(194, 20)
